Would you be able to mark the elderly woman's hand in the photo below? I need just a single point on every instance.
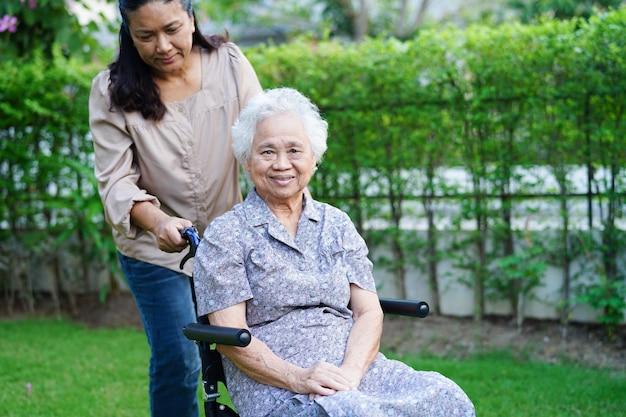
(323, 379)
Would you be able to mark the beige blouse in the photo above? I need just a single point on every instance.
(183, 164)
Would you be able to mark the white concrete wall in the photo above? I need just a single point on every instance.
(457, 298)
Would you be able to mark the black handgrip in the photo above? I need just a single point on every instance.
(405, 307)
(190, 234)
(216, 334)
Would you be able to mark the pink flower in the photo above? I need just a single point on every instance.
(8, 23)
(32, 4)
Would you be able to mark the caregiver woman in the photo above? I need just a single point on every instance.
(160, 117)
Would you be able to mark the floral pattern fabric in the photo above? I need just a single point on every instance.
(297, 294)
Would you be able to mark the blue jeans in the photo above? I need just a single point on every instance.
(165, 305)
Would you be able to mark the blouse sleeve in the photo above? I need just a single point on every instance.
(115, 169)
(356, 256)
(248, 84)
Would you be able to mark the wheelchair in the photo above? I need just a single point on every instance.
(206, 336)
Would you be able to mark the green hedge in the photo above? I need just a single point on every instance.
(48, 201)
(491, 100)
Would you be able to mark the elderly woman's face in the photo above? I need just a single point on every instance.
(162, 34)
(281, 160)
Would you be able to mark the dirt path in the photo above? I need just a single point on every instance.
(537, 340)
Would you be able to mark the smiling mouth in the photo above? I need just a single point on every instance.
(283, 180)
(168, 60)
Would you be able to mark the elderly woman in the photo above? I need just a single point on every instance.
(295, 272)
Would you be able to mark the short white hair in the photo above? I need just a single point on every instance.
(273, 102)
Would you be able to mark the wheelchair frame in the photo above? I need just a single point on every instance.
(206, 336)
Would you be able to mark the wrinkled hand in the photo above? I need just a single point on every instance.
(168, 235)
(324, 379)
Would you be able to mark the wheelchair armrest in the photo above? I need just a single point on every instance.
(242, 337)
(217, 334)
(405, 307)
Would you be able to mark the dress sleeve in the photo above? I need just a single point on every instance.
(248, 84)
(356, 257)
(219, 273)
(115, 168)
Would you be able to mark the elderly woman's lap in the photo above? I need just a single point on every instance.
(294, 408)
(393, 388)
(389, 388)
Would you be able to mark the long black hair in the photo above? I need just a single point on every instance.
(131, 86)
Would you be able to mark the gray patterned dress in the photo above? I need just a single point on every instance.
(297, 295)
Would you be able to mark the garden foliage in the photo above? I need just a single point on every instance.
(49, 205)
(517, 109)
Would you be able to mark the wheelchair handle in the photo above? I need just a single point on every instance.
(190, 234)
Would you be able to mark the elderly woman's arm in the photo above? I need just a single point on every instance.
(364, 340)
(261, 364)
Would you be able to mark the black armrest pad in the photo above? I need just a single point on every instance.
(405, 307)
(216, 334)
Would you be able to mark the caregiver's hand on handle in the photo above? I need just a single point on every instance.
(165, 228)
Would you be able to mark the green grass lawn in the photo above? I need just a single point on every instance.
(502, 386)
(73, 372)
(77, 372)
